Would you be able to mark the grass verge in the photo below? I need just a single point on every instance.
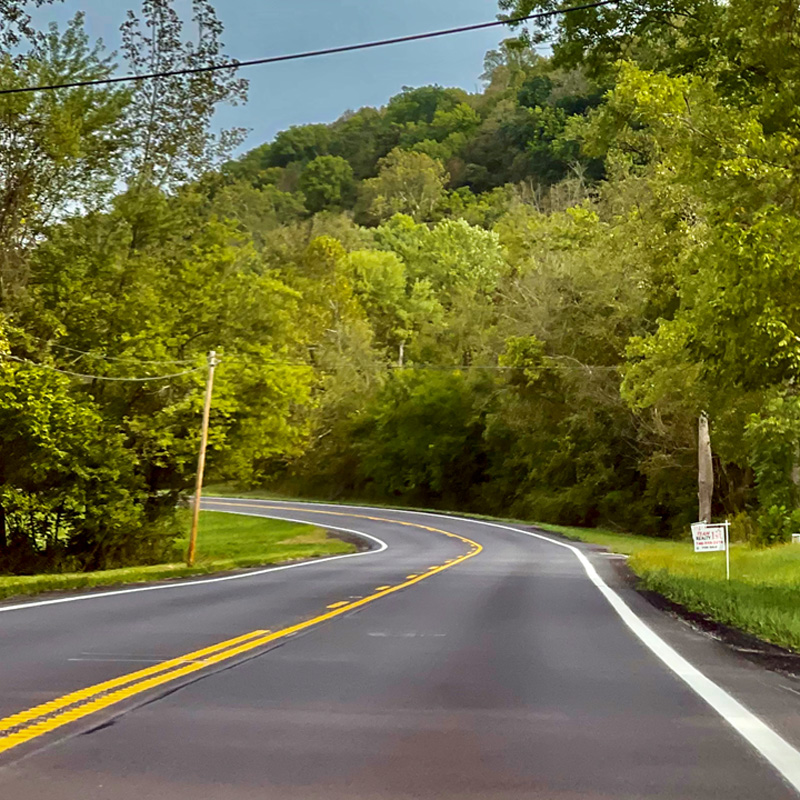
(225, 542)
(762, 597)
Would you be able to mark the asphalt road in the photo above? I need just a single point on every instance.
(499, 669)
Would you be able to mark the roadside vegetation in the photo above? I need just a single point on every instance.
(225, 542)
(516, 301)
(761, 598)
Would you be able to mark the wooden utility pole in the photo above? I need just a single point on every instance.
(201, 459)
(705, 469)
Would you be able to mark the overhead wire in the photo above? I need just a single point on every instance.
(232, 359)
(105, 357)
(496, 367)
(327, 51)
(86, 376)
(283, 363)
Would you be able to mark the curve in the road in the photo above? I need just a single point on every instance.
(30, 724)
(774, 748)
(493, 651)
(200, 582)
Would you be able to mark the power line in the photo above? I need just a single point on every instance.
(425, 367)
(105, 357)
(349, 48)
(85, 376)
(451, 367)
(495, 367)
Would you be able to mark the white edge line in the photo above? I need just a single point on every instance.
(774, 748)
(205, 581)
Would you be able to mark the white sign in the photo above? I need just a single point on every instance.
(708, 538)
(796, 538)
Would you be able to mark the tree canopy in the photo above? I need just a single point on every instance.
(515, 301)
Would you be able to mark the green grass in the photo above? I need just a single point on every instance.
(626, 543)
(762, 597)
(225, 542)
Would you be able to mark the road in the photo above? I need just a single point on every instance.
(456, 659)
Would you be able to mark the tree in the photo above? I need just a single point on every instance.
(327, 182)
(58, 150)
(673, 34)
(422, 104)
(420, 439)
(170, 116)
(363, 138)
(300, 143)
(187, 285)
(69, 495)
(452, 253)
(16, 24)
(257, 212)
(408, 183)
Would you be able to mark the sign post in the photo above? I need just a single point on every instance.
(710, 538)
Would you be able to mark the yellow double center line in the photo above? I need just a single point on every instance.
(42, 719)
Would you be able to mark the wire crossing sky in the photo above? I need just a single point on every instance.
(327, 51)
(321, 90)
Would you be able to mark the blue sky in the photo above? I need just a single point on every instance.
(321, 89)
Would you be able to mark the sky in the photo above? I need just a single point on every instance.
(321, 89)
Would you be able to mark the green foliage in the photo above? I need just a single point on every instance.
(298, 144)
(525, 356)
(418, 440)
(69, 494)
(518, 299)
(59, 148)
(776, 524)
(450, 254)
(327, 182)
(407, 183)
(517, 131)
(169, 116)
(673, 36)
(773, 439)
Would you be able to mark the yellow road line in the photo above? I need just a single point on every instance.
(84, 694)
(77, 705)
(338, 605)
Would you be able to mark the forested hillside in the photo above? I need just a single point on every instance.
(516, 302)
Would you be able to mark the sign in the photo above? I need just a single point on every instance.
(708, 538)
(796, 538)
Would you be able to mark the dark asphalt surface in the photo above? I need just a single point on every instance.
(507, 676)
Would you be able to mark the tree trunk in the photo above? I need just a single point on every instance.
(3, 536)
(705, 472)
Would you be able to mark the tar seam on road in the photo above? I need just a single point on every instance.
(32, 723)
(783, 756)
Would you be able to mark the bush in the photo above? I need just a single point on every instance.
(744, 528)
(776, 525)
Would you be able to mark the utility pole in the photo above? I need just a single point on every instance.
(705, 471)
(201, 459)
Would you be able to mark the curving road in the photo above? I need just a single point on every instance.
(456, 659)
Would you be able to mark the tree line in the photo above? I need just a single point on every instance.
(517, 301)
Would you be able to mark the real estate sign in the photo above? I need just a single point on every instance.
(708, 538)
